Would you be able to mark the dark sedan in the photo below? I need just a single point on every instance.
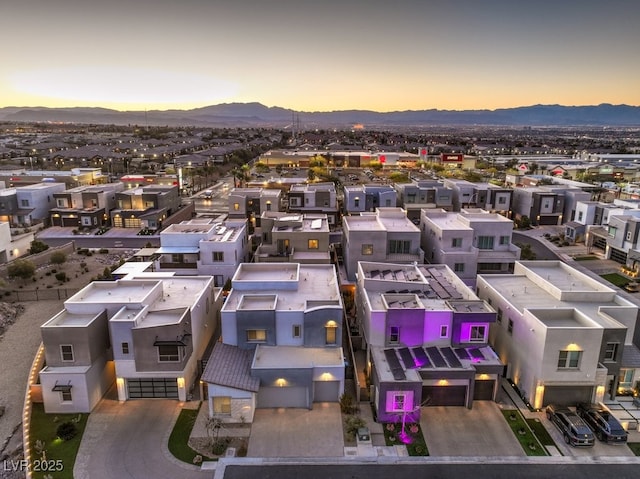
(604, 425)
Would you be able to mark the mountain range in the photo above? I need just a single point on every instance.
(259, 115)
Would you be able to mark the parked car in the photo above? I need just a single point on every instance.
(603, 423)
(574, 430)
(632, 287)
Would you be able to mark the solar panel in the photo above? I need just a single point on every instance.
(422, 360)
(462, 353)
(394, 365)
(476, 353)
(436, 357)
(407, 359)
(451, 358)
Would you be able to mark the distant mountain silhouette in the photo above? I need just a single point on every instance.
(259, 115)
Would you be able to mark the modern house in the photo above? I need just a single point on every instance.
(28, 205)
(426, 339)
(319, 198)
(282, 337)
(387, 235)
(296, 238)
(250, 203)
(486, 196)
(565, 337)
(204, 247)
(361, 198)
(417, 195)
(469, 242)
(147, 335)
(145, 207)
(85, 206)
(549, 204)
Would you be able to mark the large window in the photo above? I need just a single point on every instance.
(256, 335)
(169, 353)
(331, 333)
(485, 242)
(313, 244)
(569, 359)
(222, 404)
(66, 352)
(399, 247)
(477, 334)
(217, 256)
(367, 249)
(611, 351)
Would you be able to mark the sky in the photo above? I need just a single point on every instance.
(320, 55)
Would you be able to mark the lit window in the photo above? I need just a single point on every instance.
(236, 206)
(222, 404)
(256, 335)
(569, 359)
(331, 336)
(313, 244)
(367, 249)
(66, 351)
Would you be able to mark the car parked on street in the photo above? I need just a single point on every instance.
(574, 430)
(605, 426)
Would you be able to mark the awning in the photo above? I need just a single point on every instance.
(65, 388)
(177, 249)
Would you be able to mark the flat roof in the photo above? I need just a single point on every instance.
(66, 319)
(294, 357)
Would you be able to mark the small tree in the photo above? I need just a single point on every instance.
(58, 258)
(21, 268)
(67, 431)
(38, 247)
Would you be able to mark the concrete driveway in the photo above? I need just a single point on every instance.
(129, 440)
(458, 431)
(286, 432)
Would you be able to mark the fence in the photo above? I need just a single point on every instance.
(37, 294)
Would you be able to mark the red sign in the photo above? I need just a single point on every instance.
(452, 158)
(383, 159)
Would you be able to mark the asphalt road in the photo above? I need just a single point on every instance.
(474, 470)
(540, 250)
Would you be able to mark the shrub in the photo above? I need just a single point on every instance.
(38, 247)
(67, 431)
(58, 258)
(21, 268)
(61, 276)
(352, 424)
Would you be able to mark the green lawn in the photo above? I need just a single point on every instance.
(43, 428)
(527, 439)
(635, 447)
(540, 432)
(616, 279)
(417, 445)
(585, 258)
(179, 438)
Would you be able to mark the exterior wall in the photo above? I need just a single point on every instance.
(352, 248)
(294, 377)
(284, 330)
(243, 403)
(247, 320)
(382, 391)
(146, 353)
(315, 321)
(40, 198)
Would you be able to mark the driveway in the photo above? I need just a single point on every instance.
(458, 431)
(129, 440)
(297, 432)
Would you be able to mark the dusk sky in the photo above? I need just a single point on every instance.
(319, 55)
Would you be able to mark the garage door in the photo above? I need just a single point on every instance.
(445, 395)
(153, 388)
(326, 391)
(567, 395)
(283, 397)
(483, 390)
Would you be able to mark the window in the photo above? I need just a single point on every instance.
(502, 200)
(612, 231)
(222, 404)
(256, 335)
(125, 348)
(217, 256)
(387, 202)
(504, 240)
(510, 327)
(66, 396)
(24, 203)
(218, 280)
(626, 379)
(367, 249)
(399, 401)
(168, 353)
(61, 203)
(313, 244)
(569, 359)
(499, 316)
(394, 334)
(236, 206)
(611, 351)
(580, 215)
(66, 351)
(356, 202)
(268, 205)
(477, 334)
(458, 267)
(485, 242)
(629, 233)
(331, 334)
(399, 246)
(456, 242)
(297, 330)
(444, 331)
